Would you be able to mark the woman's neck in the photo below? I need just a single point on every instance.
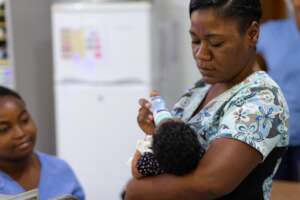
(16, 168)
(251, 67)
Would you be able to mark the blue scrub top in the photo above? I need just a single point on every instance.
(57, 179)
(279, 44)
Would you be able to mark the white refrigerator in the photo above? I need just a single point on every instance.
(102, 66)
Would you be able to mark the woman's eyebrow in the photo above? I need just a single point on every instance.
(208, 35)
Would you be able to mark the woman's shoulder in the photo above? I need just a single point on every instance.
(261, 80)
(54, 163)
(256, 114)
(259, 89)
(197, 87)
(50, 159)
(57, 178)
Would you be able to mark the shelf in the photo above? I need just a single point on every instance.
(2, 24)
(2, 39)
(4, 62)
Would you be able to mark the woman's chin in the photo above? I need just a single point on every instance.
(209, 80)
(24, 154)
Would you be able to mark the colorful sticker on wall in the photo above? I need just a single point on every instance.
(6, 76)
(80, 44)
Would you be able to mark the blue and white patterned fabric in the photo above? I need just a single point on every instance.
(254, 112)
(281, 52)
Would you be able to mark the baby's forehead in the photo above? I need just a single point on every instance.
(170, 121)
(176, 123)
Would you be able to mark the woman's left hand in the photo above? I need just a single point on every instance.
(145, 117)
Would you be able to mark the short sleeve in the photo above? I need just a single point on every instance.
(58, 179)
(77, 191)
(257, 117)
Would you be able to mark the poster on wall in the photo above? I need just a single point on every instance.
(90, 49)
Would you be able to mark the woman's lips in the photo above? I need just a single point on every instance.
(205, 71)
(24, 145)
(203, 67)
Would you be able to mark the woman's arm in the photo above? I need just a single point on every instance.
(134, 171)
(224, 166)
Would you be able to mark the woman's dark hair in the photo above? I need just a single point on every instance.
(6, 92)
(176, 148)
(243, 11)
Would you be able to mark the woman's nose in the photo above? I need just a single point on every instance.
(202, 52)
(296, 3)
(19, 132)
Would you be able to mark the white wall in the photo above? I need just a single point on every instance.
(176, 69)
(29, 40)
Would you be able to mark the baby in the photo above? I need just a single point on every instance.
(174, 147)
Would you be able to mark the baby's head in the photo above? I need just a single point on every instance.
(176, 147)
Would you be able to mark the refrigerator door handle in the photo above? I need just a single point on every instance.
(117, 82)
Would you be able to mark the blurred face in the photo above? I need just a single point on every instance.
(296, 4)
(220, 50)
(17, 130)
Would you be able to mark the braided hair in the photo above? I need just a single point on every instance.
(243, 11)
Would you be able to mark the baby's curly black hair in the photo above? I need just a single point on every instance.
(176, 147)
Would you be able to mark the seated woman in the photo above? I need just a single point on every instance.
(21, 168)
(239, 112)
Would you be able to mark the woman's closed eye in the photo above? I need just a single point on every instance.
(196, 41)
(216, 43)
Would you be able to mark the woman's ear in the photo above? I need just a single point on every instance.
(253, 33)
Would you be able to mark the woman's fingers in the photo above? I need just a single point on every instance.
(154, 93)
(145, 116)
(144, 103)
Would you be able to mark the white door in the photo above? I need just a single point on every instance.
(97, 134)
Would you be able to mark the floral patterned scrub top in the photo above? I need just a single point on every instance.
(254, 112)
